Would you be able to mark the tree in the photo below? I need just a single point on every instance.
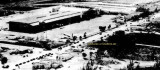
(80, 38)
(102, 28)
(4, 60)
(74, 38)
(84, 55)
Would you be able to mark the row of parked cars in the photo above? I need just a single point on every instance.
(21, 52)
(37, 58)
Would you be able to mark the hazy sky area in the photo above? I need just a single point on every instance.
(123, 1)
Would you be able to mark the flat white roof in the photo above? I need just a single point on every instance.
(40, 18)
(64, 12)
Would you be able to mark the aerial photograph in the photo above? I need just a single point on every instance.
(79, 34)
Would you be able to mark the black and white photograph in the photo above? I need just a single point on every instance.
(79, 34)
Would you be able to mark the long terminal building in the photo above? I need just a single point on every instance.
(56, 18)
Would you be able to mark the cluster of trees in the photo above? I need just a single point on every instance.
(145, 12)
(3, 59)
(152, 26)
(6, 12)
(131, 67)
(124, 45)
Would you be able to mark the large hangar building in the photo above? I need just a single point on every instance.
(37, 23)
